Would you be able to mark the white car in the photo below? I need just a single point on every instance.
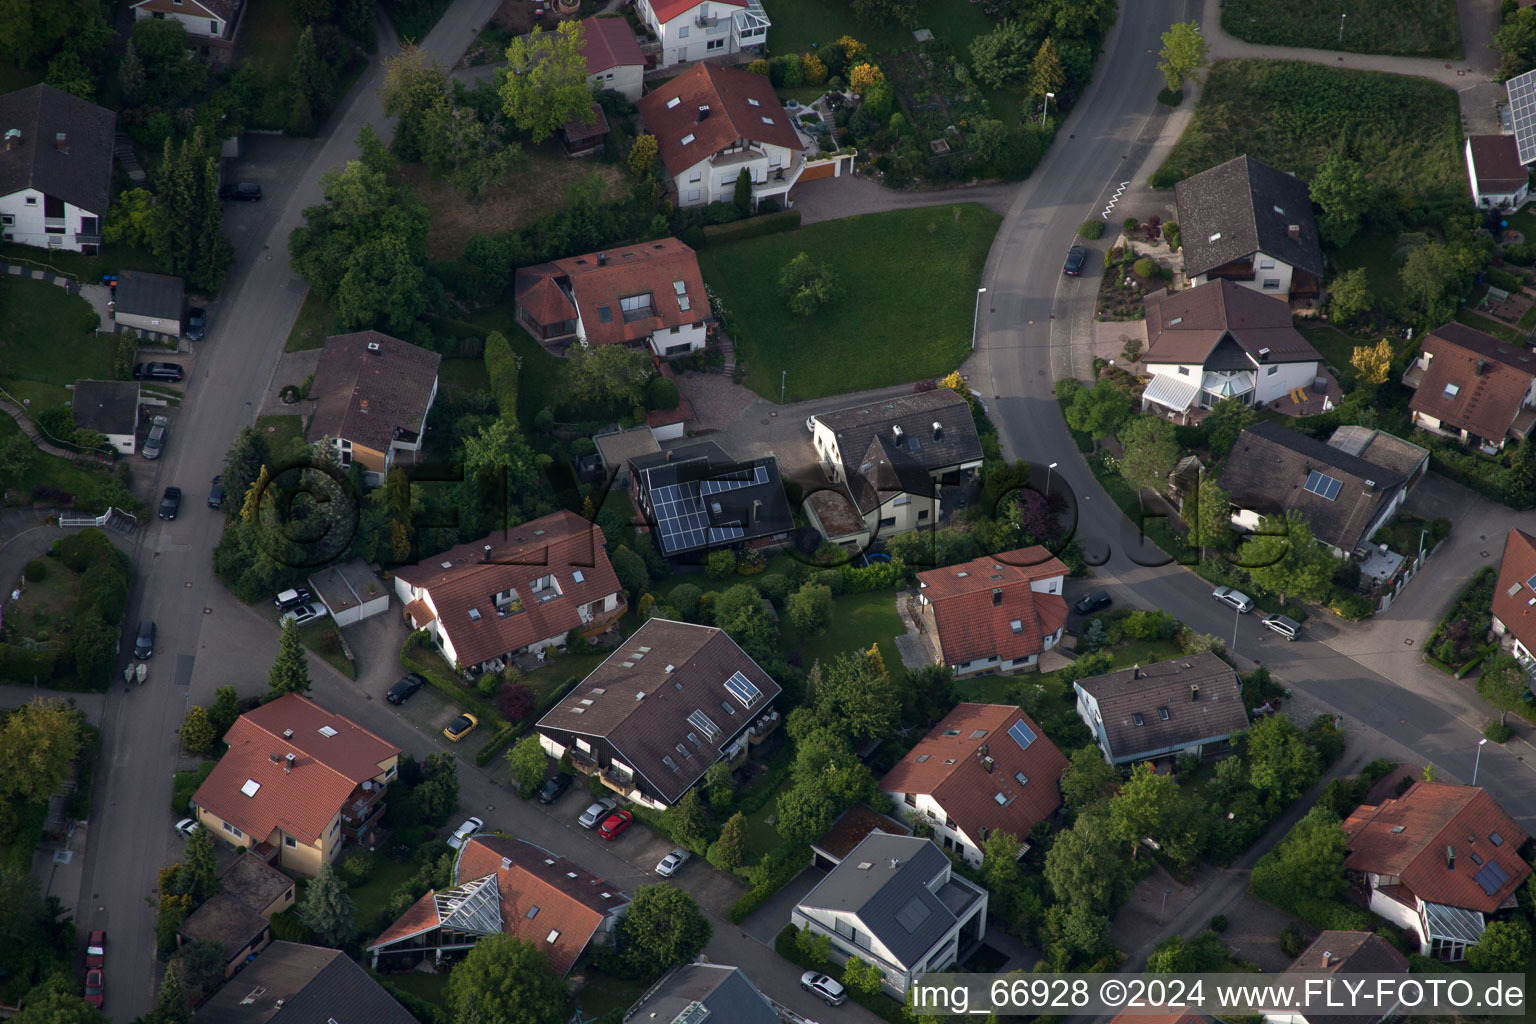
(823, 987)
(595, 813)
(1235, 598)
(464, 831)
(304, 614)
(186, 826)
(672, 861)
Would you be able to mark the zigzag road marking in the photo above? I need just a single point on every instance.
(1115, 199)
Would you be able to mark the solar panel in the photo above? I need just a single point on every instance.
(1491, 878)
(913, 914)
(1522, 109)
(1530, 583)
(744, 690)
(702, 722)
(1323, 485)
(1022, 734)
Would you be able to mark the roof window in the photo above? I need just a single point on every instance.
(674, 101)
(552, 936)
(1215, 238)
(1002, 801)
(767, 120)
(250, 787)
(688, 138)
(1162, 713)
(1495, 839)
(1021, 778)
(578, 577)
(326, 731)
(533, 912)
(949, 760)
(922, 758)
(1017, 625)
(951, 732)
(1136, 717)
(474, 615)
(1452, 390)
(752, 102)
(978, 734)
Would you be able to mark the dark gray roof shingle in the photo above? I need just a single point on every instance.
(291, 983)
(1268, 470)
(891, 465)
(1143, 689)
(141, 293)
(79, 172)
(726, 992)
(106, 406)
(1251, 206)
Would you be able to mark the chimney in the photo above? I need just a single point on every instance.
(1327, 959)
(986, 763)
(757, 507)
(1450, 858)
(12, 137)
(1294, 231)
(997, 596)
(1136, 671)
(896, 430)
(938, 431)
(602, 259)
(703, 112)
(895, 863)
(287, 734)
(1370, 487)
(1194, 692)
(1482, 364)
(288, 764)
(61, 142)
(374, 346)
(1263, 354)
(506, 863)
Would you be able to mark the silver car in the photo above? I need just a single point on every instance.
(824, 988)
(154, 444)
(595, 813)
(1284, 625)
(464, 831)
(304, 614)
(1233, 598)
(672, 861)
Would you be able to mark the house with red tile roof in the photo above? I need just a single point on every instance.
(372, 395)
(1514, 597)
(614, 60)
(297, 784)
(649, 293)
(703, 29)
(713, 122)
(985, 768)
(1472, 386)
(997, 613)
(516, 591)
(507, 885)
(1499, 179)
(1439, 861)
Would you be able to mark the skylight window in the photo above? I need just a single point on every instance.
(1452, 390)
(1017, 625)
(923, 758)
(1136, 717)
(578, 577)
(688, 138)
(704, 724)
(1216, 237)
(1002, 801)
(951, 732)
(752, 102)
(552, 936)
(978, 734)
(1323, 485)
(1495, 839)
(533, 912)
(767, 120)
(250, 787)
(1162, 713)
(674, 101)
(474, 615)
(1021, 778)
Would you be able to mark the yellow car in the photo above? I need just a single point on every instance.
(461, 726)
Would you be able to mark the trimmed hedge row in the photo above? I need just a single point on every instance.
(24, 665)
(501, 365)
(791, 865)
(753, 227)
(498, 742)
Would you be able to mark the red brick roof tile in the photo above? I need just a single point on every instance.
(728, 93)
(950, 764)
(326, 769)
(971, 625)
(1491, 379)
(666, 10)
(1409, 838)
(1514, 600)
(609, 43)
(1496, 162)
(364, 395)
(599, 280)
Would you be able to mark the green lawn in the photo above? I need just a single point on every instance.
(798, 24)
(908, 280)
(281, 431)
(1405, 131)
(761, 836)
(546, 681)
(463, 375)
(86, 269)
(1424, 28)
(50, 470)
(313, 326)
(1376, 252)
(324, 638)
(49, 341)
(606, 998)
(374, 892)
(540, 373)
(859, 620)
(1336, 348)
(431, 987)
(268, 38)
(1466, 315)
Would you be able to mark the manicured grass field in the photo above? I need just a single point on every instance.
(903, 316)
(87, 269)
(1424, 28)
(50, 336)
(1406, 132)
(312, 326)
(280, 431)
(540, 374)
(858, 620)
(374, 892)
(431, 987)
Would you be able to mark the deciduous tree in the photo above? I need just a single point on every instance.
(862, 977)
(1373, 362)
(810, 609)
(1084, 865)
(1308, 864)
(1503, 684)
(863, 76)
(902, 12)
(58, 1001)
(290, 672)
(807, 285)
(327, 910)
(856, 697)
(1343, 194)
(384, 288)
(506, 979)
(38, 744)
(1088, 778)
(197, 731)
(608, 376)
(546, 81)
(1003, 55)
(739, 611)
(529, 762)
(416, 91)
(1503, 946)
(662, 928)
(1281, 763)
(643, 155)
(1349, 295)
(1207, 515)
(1099, 410)
(1287, 559)
(1150, 452)
(1183, 54)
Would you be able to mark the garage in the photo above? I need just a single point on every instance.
(350, 591)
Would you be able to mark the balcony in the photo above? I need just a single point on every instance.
(584, 763)
(619, 783)
(87, 238)
(1414, 375)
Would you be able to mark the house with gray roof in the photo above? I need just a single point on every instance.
(1189, 705)
(292, 983)
(1383, 449)
(55, 169)
(699, 500)
(896, 902)
(695, 993)
(1344, 498)
(152, 303)
(888, 462)
(1245, 221)
(110, 408)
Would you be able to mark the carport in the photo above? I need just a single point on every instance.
(350, 591)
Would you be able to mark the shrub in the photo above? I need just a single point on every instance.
(1499, 732)
(515, 701)
(1378, 770)
(357, 866)
(1092, 229)
(1292, 940)
(1170, 97)
(1145, 267)
(36, 571)
(662, 393)
(1219, 923)
(720, 565)
(775, 587)
(1171, 233)
(832, 579)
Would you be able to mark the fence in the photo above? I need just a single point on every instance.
(101, 520)
(1402, 581)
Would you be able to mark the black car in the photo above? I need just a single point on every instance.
(292, 598)
(245, 191)
(401, 691)
(1076, 257)
(1092, 603)
(157, 371)
(216, 493)
(144, 640)
(555, 788)
(171, 503)
(197, 324)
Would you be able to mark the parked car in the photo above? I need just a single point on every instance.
(154, 444)
(674, 859)
(1076, 257)
(292, 598)
(595, 812)
(186, 826)
(144, 640)
(554, 788)
(95, 991)
(170, 372)
(402, 691)
(243, 191)
(824, 988)
(461, 726)
(304, 614)
(96, 950)
(216, 493)
(170, 504)
(1284, 625)
(196, 328)
(1092, 603)
(615, 823)
(1235, 598)
(464, 831)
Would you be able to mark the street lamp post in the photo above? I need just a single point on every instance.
(1342, 16)
(1046, 106)
(1237, 614)
(1048, 478)
(975, 320)
(1479, 762)
(783, 379)
(1164, 907)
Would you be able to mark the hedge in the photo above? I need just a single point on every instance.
(793, 863)
(753, 227)
(184, 785)
(85, 772)
(501, 364)
(24, 665)
(497, 743)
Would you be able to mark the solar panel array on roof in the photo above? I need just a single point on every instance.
(1323, 485)
(1022, 734)
(913, 914)
(1522, 107)
(683, 521)
(1491, 878)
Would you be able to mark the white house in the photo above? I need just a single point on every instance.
(691, 30)
(55, 169)
(110, 408)
(210, 23)
(711, 122)
(898, 903)
(1514, 597)
(1499, 180)
(614, 60)
(994, 613)
(649, 293)
(1439, 861)
(1220, 341)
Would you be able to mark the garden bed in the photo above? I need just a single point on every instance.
(1463, 632)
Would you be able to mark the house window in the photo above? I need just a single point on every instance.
(888, 521)
(7, 219)
(694, 176)
(1266, 264)
(31, 200)
(676, 330)
(715, 44)
(1184, 371)
(922, 516)
(232, 830)
(693, 195)
(905, 499)
(682, 31)
(1269, 371)
(290, 842)
(1271, 284)
(775, 160)
(909, 799)
(213, 27)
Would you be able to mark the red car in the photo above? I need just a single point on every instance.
(96, 951)
(93, 989)
(615, 823)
